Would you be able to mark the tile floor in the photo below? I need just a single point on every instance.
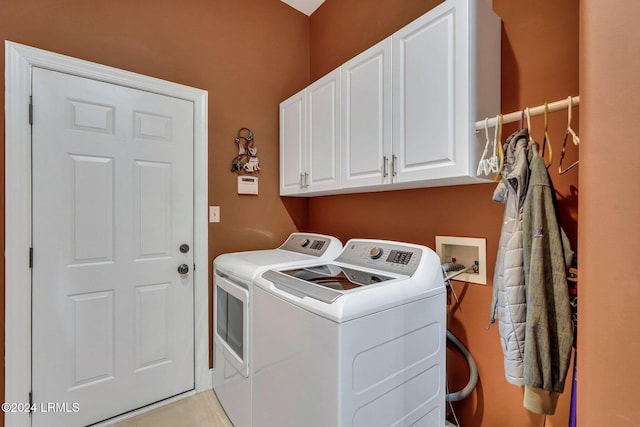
(200, 410)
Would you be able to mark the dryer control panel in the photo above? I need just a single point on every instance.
(309, 243)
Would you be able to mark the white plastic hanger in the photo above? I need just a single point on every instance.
(574, 137)
(490, 165)
(494, 161)
(483, 165)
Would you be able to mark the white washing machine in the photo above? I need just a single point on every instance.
(359, 341)
(233, 276)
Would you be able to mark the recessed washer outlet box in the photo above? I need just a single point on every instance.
(465, 251)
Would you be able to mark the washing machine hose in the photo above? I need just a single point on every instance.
(473, 371)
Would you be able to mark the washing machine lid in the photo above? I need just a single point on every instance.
(326, 282)
(336, 277)
(245, 265)
(299, 248)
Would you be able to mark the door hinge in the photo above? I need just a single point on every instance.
(31, 110)
(194, 267)
(30, 399)
(30, 257)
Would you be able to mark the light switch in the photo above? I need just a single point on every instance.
(214, 213)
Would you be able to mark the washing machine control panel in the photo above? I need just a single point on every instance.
(376, 252)
(400, 257)
(383, 255)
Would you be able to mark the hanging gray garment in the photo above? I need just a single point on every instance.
(547, 253)
(509, 294)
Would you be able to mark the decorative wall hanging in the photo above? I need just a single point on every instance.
(246, 162)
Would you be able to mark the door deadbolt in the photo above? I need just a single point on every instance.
(183, 269)
(184, 248)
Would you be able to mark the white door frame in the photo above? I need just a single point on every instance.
(19, 60)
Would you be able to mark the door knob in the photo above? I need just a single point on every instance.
(183, 269)
(184, 248)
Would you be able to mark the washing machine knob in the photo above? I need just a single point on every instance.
(305, 243)
(375, 252)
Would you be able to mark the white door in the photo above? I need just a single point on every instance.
(366, 117)
(113, 326)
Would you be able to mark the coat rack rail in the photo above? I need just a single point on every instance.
(534, 111)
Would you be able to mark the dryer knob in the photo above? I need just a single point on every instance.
(375, 253)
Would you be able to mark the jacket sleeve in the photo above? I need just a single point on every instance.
(549, 331)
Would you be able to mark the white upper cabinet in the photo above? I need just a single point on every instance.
(446, 75)
(292, 130)
(323, 133)
(309, 138)
(366, 117)
(408, 108)
(427, 103)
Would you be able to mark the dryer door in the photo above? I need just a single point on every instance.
(232, 321)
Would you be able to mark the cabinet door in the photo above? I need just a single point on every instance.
(429, 88)
(366, 117)
(292, 134)
(323, 126)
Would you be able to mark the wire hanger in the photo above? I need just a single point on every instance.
(547, 141)
(527, 114)
(574, 137)
(500, 149)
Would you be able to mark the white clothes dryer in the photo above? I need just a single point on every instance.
(356, 342)
(233, 276)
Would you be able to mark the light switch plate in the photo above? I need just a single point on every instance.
(214, 213)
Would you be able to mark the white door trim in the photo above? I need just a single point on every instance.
(19, 60)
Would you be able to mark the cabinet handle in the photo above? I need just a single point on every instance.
(306, 180)
(385, 167)
(301, 180)
(393, 165)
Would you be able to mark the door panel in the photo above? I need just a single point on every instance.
(153, 346)
(112, 202)
(152, 185)
(91, 347)
(91, 223)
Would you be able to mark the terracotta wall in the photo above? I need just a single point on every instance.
(539, 64)
(609, 227)
(248, 55)
(251, 55)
